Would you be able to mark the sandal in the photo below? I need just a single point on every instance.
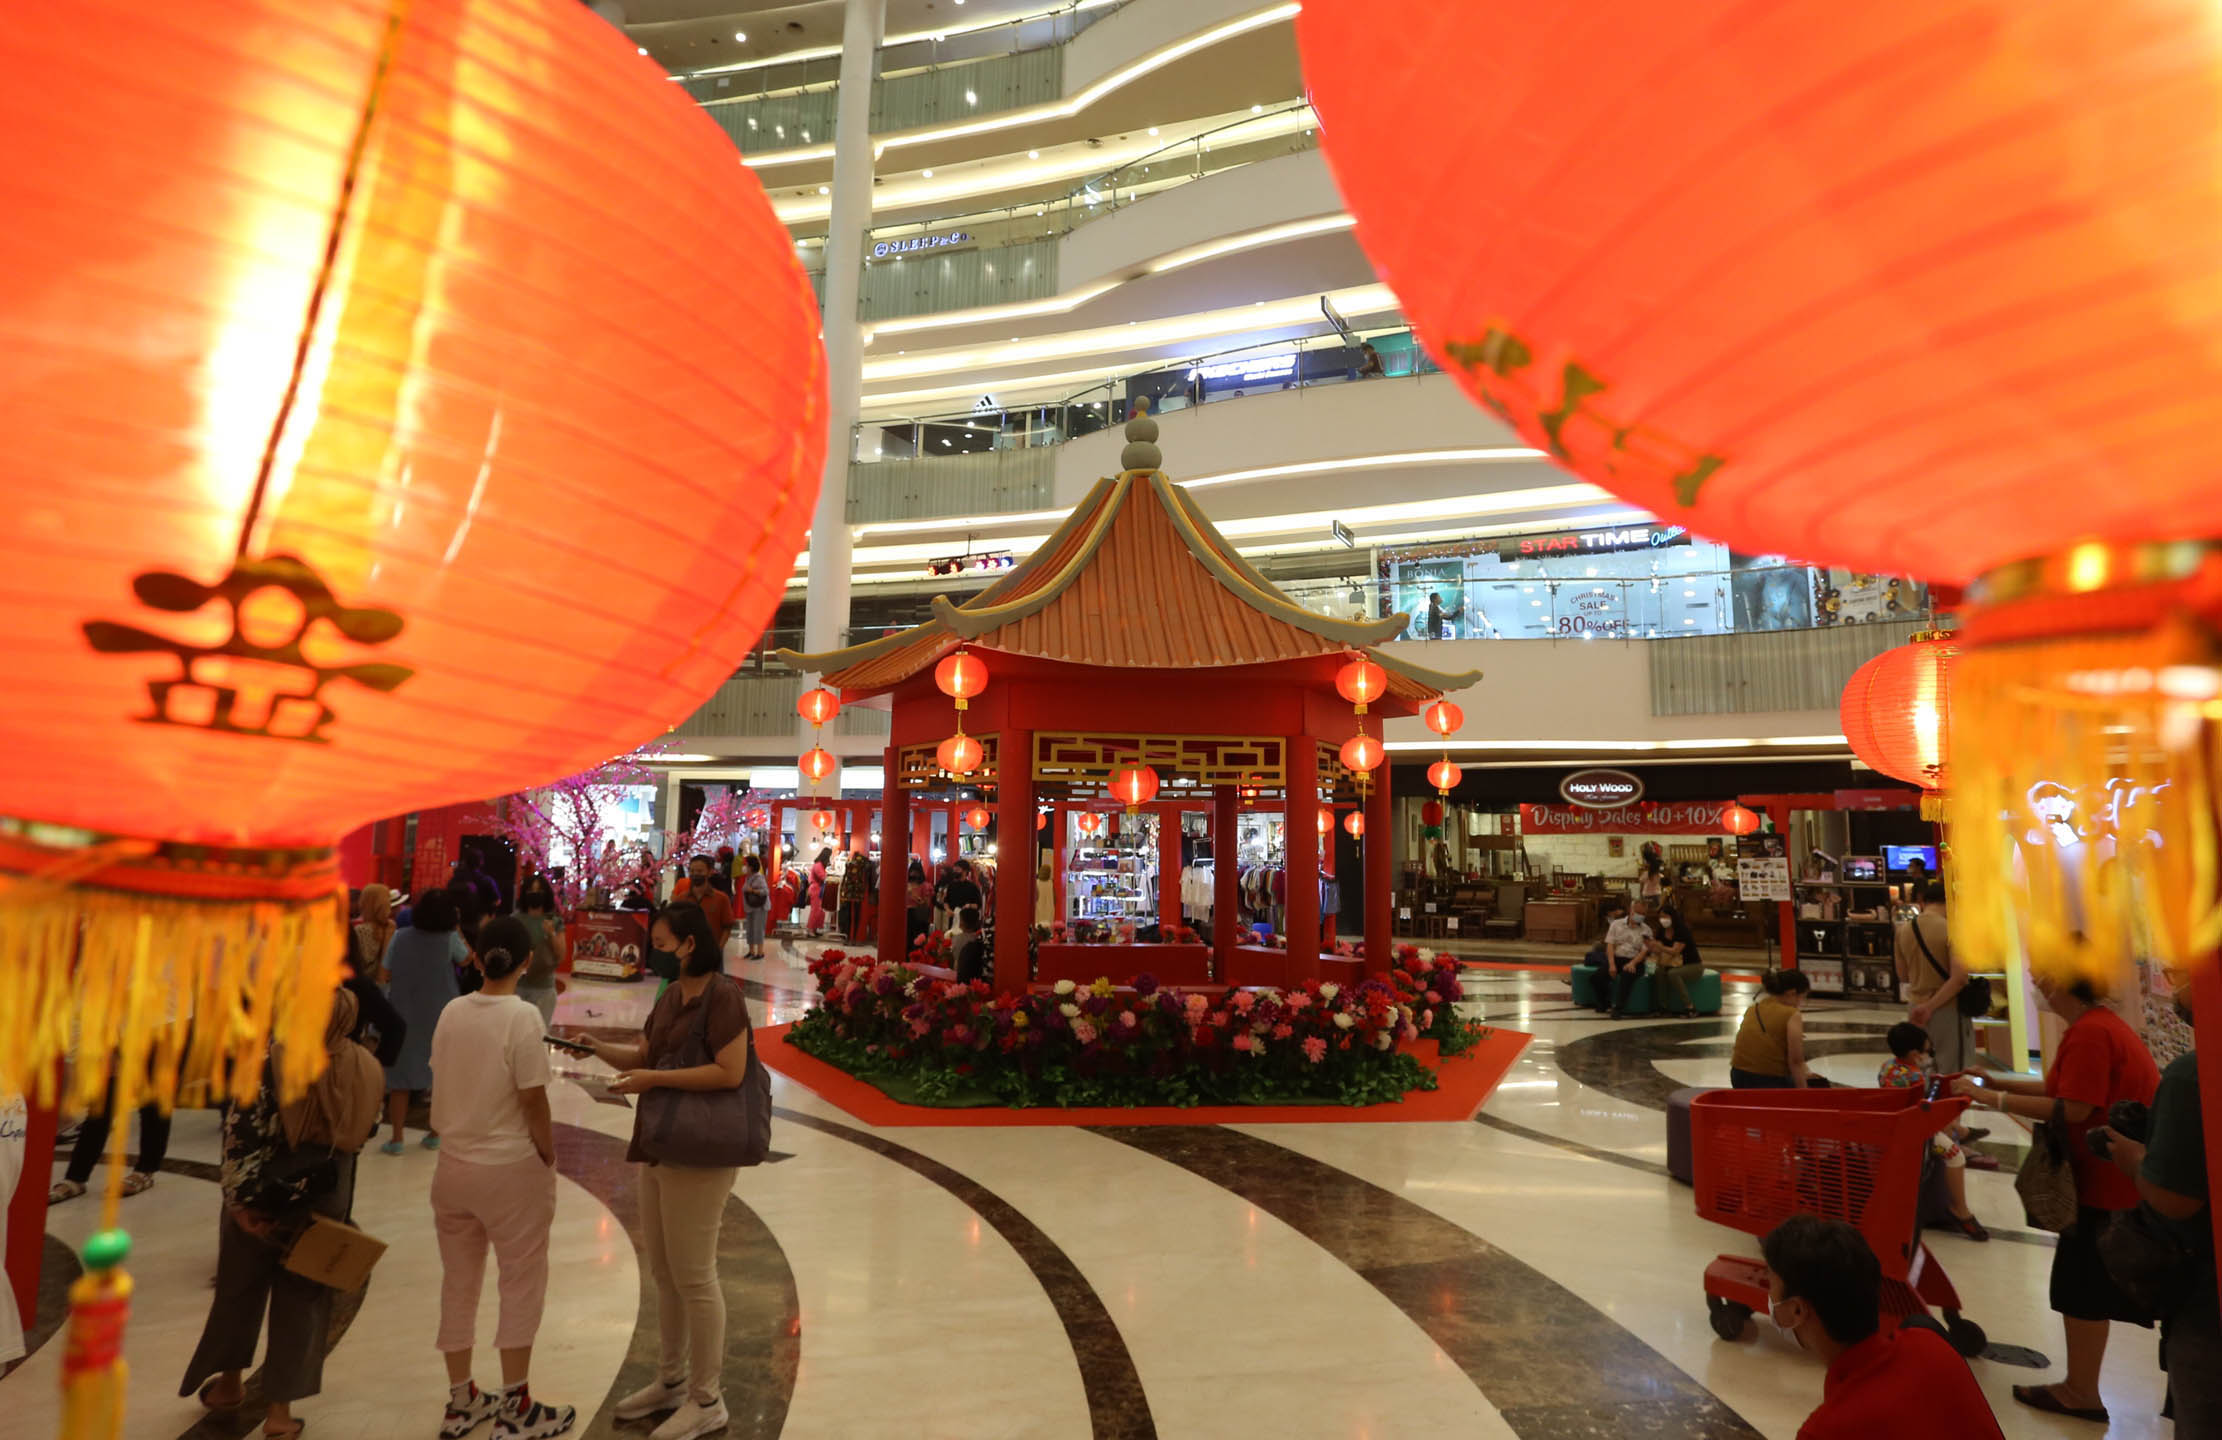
(225, 1405)
(1971, 1227)
(62, 1190)
(138, 1182)
(293, 1433)
(2040, 1397)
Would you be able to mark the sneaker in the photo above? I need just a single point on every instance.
(430, 1142)
(692, 1419)
(524, 1418)
(468, 1407)
(391, 1147)
(654, 1398)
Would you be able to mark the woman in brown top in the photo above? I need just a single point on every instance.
(1770, 1044)
(681, 1206)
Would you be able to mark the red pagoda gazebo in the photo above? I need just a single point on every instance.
(1137, 636)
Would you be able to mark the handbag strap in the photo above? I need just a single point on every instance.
(1923, 941)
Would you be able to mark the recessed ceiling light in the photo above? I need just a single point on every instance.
(822, 190)
(741, 35)
(1257, 109)
(1153, 129)
(1033, 154)
(643, 49)
(971, 97)
(806, 135)
(929, 174)
(752, 122)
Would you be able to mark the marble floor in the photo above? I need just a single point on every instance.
(1532, 1274)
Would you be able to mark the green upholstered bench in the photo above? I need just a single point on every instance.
(1705, 991)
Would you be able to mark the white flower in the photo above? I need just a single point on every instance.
(1068, 1011)
(1064, 987)
(1343, 1020)
(1383, 1040)
(1329, 990)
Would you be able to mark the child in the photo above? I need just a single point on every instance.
(1913, 1060)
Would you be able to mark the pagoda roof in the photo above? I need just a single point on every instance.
(1134, 578)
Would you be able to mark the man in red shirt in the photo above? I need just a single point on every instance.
(701, 888)
(1907, 1383)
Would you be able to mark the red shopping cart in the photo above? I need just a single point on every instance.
(1762, 1156)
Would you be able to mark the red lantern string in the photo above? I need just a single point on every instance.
(961, 675)
(1442, 717)
(818, 705)
(1326, 820)
(977, 817)
(960, 754)
(1444, 776)
(1361, 682)
(822, 819)
(1362, 753)
(1090, 822)
(1355, 823)
(1134, 785)
(817, 763)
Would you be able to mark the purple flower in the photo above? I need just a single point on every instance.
(1145, 985)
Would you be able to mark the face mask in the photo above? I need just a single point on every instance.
(668, 960)
(1787, 1327)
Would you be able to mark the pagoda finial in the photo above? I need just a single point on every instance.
(1141, 452)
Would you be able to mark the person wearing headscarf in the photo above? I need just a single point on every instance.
(330, 1122)
(374, 931)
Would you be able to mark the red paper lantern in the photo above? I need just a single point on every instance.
(1431, 813)
(337, 330)
(818, 705)
(1444, 776)
(1897, 710)
(823, 819)
(1041, 821)
(1090, 822)
(1326, 820)
(817, 763)
(960, 754)
(1442, 717)
(1740, 267)
(1134, 785)
(1355, 823)
(1361, 682)
(1361, 753)
(1737, 820)
(961, 675)
(977, 817)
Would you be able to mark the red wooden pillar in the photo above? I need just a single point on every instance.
(1380, 867)
(1301, 814)
(894, 864)
(1226, 908)
(1014, 878)
(922, 834)
(27, 1209)
(1326, 844)
(1168, 869)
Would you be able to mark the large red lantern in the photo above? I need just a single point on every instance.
(1361, 753)
(1355, 823)
(960, 754)
(1897, 710)
(818, 763)
(1134, 785)
(822, 820)
(1444, 776)
(1090, 822)
(818, 705)
(961, 675)
(1442, 717)
(1738, 820)
(977, 817)
(337, 330)
(1874, 255)
(1361, 682)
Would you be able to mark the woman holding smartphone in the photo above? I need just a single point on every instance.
(697, 1038)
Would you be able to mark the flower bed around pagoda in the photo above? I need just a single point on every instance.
(934, 1041)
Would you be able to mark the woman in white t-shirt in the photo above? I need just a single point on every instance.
(495, 1184)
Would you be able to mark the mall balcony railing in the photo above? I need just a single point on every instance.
(930, 81)
(1163, 386)
(1014, 255)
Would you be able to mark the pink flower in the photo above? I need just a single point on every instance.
(1427, 1020)
(1282, 1032)
(1244, 1042)
(1126, 1019)
(1084, 1032)
(1243, 1000)
(1218, 1017)
(920, 1027)
(1298, 1000)
(1197, 1004)
(1433, 998)
(1315, 1049)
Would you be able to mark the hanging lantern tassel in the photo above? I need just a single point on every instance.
(94, 1375)
(1933, 806)
(2083, 742)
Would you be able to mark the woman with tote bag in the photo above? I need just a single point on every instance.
(704, 1111)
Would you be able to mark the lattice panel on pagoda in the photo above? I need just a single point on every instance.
(917, 769)
(1199, 760)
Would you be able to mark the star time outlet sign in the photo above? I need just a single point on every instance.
(1601, 789)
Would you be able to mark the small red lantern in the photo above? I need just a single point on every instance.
(1444, 776)
(1361, 753)
(1737, 820)
(818, 705)
(961, 676)
(1897, 709)
(960, 754)
(1041, 821)
(1431, 813)
(818, 762)
(1090, 822)
(1134, 785)
(1361, 682)
(1442, 717)
(1326, 820)
(977, 817)
(1355, 823)
(823, 819)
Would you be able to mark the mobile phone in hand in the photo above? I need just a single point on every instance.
(568, 1047)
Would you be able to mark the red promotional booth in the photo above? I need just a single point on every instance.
(1137, 639)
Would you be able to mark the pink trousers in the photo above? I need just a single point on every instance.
(510, 1207)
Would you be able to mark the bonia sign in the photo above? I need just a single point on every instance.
(1601, 789)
